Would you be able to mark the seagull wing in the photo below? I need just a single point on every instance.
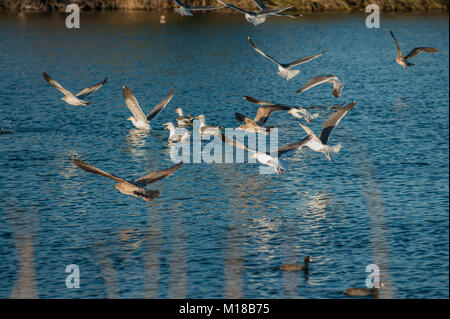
(399, 52)
(262, 53)
(96, 170)
(156, 176)
(255, 101)
(291, 147)
(181, 4)
(416, 51)
(56, 85)
(260, 5)
(333, 121)
(160, 106)
(315, 81)
(233, 7)
(133, 104)
(198, 8)
(264, 112)
(303, 60)
(91, 89)
(233, 142)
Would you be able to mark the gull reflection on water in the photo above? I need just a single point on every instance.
(136, 140)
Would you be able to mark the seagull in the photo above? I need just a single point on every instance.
(185, 9)
(297, 267)
(68, 96)
(139, 119)
(284, 70)
(262, 157)
(403, 60)
(134, 188)
(250, 125)
(319, 144)
(255, 17)
(175, 137)
(207, 130)
(264, 111)
(297, 112)
(184, 120)
(337, 84)
(263, 7)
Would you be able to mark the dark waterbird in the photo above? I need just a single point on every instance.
(297, 267)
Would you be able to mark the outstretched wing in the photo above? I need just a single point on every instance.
(333, 121)
(255, 101)
(156, 176)
(55, 84)
(160, 106)
(85, 92)
(133, 104)
(399, 52)
(303, 60)
(261, 6)
(96, 170)
(233, 142)
(198, 8)
(233, 7)
(315, 81)
(291, 147)
(264, 112)
(416, 51)
(262, 53)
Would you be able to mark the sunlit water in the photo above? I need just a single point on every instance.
(222, 230)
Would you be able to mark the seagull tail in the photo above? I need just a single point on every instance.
(336, 148)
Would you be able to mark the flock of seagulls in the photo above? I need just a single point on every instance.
(256, 125)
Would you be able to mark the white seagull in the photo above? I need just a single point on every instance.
(175, 137)
(255, 17)
(185, 9)
(139, 119)
(207, 131)
(183, 120)
(337, 84)
(69, 97)
(319, 144)
(284, 69)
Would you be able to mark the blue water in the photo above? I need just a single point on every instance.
(222, 230)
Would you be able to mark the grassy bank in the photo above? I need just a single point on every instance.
(300, 5)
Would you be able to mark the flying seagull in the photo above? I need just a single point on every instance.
(319, 144)
(262, 157)
(175, 137)
(264, 111)
(337, 84)
(284, 70)
(139, 119)
(68, 96)
(207, 130)
(298, 112)
(403, 60)
(134, 188)
(263, 7)
(184, 120)
(250, 125)
(255, 17)
(185, 9)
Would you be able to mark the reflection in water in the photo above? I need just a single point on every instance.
(24, 228)
(136, 140)
(109, 274)
(154, 240)
(177, 259)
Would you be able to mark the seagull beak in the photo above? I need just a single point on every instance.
(196, 117)
(129, 119)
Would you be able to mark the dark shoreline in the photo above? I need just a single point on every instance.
(164, 5)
